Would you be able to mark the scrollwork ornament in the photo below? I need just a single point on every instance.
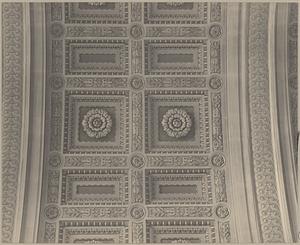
(55, 159)
(215, 31)
(57, 30)
(57, 82)
(137, 212)
(136, 31)
(215, 82)
(52, 212)
(222, 211)
(218, 160)
(137, 160)
(137, 82)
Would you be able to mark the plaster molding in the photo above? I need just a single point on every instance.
(36, 126)
(239, 203)
(283, 120)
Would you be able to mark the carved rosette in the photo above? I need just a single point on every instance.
(137, 212)
(215, 82)
(137, 82)
(57, 82)
(137, 161)
(57, 30)
(97, 123)
(215, 31)
(222, 211)
(176, 123)
(218, 160)
(55, 159)
(52, 212)
(136, 31)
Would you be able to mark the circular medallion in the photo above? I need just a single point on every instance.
(218, 160)
(52, 212)
(54, 159)
(97, 123)
(222, 211)
(137, 161)
(137, 82)
(136, 31)
(293, 30)
(215, 82)
(176, 123)
(215, 31)
(137, 212)
(57, 82)
(57, 30)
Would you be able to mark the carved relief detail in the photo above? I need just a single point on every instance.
(53, 186)
(220, 185)
(177, 82)
(188, 211)
(50, 232)
(215, 57)
(137, 121)
(136, 11)
(260, 125)
(137, 186)
(95, 31)
(12, 35)
(217, 128)
(175, 31)
(57, 56)
(215, 12)
(94, 212)
(95, 161)
(177, 161)
(138, 233)
(137, 57)
(96, 82)
(224, 232)
(56, 11)
(56, 121)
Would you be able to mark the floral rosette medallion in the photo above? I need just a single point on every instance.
(176, 123)
(97, 123)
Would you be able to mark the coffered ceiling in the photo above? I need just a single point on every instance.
(135, 131)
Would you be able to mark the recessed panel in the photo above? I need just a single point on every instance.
(168, 186)
(96, 57)
(105, 187)
(178, 57)
(98, 12)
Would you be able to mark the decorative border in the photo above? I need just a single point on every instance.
(12, 106)
(260, 125)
